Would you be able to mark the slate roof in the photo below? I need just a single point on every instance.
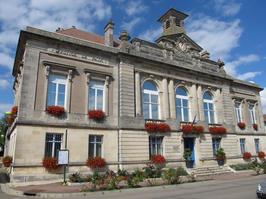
(81, 34)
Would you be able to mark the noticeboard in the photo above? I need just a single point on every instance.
(63, 157)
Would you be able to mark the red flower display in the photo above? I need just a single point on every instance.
(7, 161)
(218, 130)
(157, 159)
(95, 162)
(55, 110)
(50, 163)
(241, 125)
(261, 154)
(187, 128)
(160, 127)
(96, 114)
(13, 112)
(255, 126)
(246, 155)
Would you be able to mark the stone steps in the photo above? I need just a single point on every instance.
(210, 170)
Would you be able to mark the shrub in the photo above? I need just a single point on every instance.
(220, 154)
(54, 110)
(187, 154)
(246, 155)
(182, 171)
(7, 161)
(152, 172)
(172, 176)
(123, 173)
(75, 177)
(157, 159)
(261, 154)
(160, 127)
(50, 163)
(95, 162)
(96, 114)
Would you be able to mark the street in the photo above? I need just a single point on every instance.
(235, 189)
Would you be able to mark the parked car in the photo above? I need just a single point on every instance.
(261, 190)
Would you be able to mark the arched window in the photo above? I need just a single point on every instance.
(150, 101)
(208, 108)
(182, 107)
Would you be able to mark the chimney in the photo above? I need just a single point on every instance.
(205, 55)
(109, 33)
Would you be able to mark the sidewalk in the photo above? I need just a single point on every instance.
(56, 189)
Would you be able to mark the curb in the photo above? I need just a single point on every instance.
(6, 189)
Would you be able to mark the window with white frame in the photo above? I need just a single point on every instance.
(242, 145)
(156, 146)
(150, 101)
(57, 90)
(257, 145)
(52, 144)
(95, 145)
(182, 106)
(208, 108)
(216, 144)
(96, 95)
(238, 113)
(252, 114)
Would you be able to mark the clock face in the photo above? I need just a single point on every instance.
(182, 46)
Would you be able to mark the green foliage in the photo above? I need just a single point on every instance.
(182, 171)
(172, 176)
(187, 154)
(3, 121)
(152, 172)
(240, 167)
(123, 173)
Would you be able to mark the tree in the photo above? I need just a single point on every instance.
(3, 122)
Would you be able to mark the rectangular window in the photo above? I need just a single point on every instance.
(156, 146)
(242, 145)
(252, 114)
(56, 90)
(95, 145)
(238, 114)
(257, 145)
(52, 144)
(216, 144)
(96, 95)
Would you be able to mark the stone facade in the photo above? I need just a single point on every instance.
(173, 62)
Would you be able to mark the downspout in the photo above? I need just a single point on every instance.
(118, 111)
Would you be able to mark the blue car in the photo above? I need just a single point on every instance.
(261, 190)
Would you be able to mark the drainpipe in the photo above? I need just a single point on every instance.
(118, 111)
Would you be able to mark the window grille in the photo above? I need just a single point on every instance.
(52, 144)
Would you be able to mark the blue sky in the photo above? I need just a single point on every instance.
(231, 30)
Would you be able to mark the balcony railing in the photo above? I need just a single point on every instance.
(154, 121)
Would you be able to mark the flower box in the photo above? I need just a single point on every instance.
(157, 159)
(96, 114)
(261, 154)
(95, 162)
(241, 125)
(50, 163)
(13, 112)
(246, 155)
(255, 127)
(55, 110)
(187, 128)
(218, 130)
(157, 127)
(7, 161)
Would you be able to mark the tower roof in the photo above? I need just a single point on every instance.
(172, 12)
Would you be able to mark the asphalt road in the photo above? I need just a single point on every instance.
(233, 189)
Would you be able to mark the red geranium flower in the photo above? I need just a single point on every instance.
(95, 162)
(157, 159)
(55, 110)
(96, 114)
(246, 155)
(261, 154)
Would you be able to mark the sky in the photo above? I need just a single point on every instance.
(231, 30)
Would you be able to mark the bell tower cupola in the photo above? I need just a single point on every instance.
(173, 22)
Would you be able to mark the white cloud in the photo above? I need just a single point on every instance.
(135, 7)
(217, 37)
(4, 83)
(6, 61)
(5, 107)
(263, 100)
(129, 26)
(151, 34)
(227, 8)
(230, 67)
(248, 75)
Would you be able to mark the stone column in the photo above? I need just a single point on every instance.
(137, 93)
(106, 96)
(194, 107)
(45, 88)
(200, 103)
(69, 84)
(172, 99)
(87, 94)
(165, 99)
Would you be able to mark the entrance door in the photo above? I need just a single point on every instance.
(189, 143)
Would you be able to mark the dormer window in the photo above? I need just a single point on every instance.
(167, 24)
(177, 22)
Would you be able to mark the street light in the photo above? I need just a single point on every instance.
(8, 114)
